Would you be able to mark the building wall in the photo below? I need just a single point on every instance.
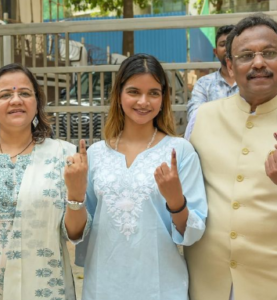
(34, 11)
(30, 11)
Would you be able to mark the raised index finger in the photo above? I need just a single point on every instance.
(173, 161)
(83, 150)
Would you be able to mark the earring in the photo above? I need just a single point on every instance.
(35, 121)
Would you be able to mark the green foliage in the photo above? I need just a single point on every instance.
(99, 14)
(217, 4)
(116, 6)
(198, 5)
(104, 5)
(46, 10)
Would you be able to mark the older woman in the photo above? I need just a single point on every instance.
(34, 260)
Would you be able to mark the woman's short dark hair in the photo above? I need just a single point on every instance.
(251, 21)
(43, 129)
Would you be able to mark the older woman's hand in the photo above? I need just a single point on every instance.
(75, 174)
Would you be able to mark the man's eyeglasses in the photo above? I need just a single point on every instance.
(248, 56)
(22, 94)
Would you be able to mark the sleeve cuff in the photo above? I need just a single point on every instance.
(85, 232)
(193, 233)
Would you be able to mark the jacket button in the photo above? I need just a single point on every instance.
(240, 178)
(233, 264)
(233, 235)
(245, 151)
(236, 205)
(249, 125)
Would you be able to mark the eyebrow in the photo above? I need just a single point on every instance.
(266, 47)
(11, 90)
(134, 88)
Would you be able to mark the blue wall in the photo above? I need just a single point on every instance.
(200, 47)
(168, 45)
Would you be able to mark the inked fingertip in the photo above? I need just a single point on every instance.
(173, 153)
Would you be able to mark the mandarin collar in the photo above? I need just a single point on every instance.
(261, 109)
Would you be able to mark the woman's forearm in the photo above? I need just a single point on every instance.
(75, 222)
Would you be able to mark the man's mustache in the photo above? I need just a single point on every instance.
(263, 73)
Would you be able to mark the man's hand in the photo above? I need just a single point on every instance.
(271, 164)
(75, 174)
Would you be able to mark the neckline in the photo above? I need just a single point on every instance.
(21, 157)
(160, 143)
(263, 108)
(148, 145)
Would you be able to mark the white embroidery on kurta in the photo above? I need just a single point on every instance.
(123, 190)
(125, 208)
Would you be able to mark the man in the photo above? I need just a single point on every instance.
(215, 85)
(237, 256)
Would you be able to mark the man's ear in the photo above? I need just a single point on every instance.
(215, 52)
(230, 67)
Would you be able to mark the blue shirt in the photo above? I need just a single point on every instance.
(131, 252)
(208, 88)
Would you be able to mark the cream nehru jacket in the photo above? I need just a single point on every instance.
(240, 242)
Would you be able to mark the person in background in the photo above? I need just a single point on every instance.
(215, 85)
(34, 261)
(145, 194)
(237, 256)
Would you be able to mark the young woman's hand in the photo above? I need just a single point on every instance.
(169, 183)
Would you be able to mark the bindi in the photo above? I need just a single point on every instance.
(14, 88)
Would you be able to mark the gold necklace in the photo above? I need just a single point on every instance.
(19, 152)
(148, 146)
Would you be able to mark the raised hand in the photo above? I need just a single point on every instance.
(169, 183)
(75, 174)
(271, 164)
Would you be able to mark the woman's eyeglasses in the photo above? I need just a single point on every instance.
(22, 94)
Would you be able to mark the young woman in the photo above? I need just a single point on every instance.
(145, 193)
(34, 261)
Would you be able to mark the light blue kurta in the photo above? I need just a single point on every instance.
(131, 252)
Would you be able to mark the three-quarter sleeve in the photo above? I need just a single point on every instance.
(191, 178)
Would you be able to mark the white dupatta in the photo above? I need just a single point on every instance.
(38, 262)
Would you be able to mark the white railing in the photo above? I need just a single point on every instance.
(27, 43)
